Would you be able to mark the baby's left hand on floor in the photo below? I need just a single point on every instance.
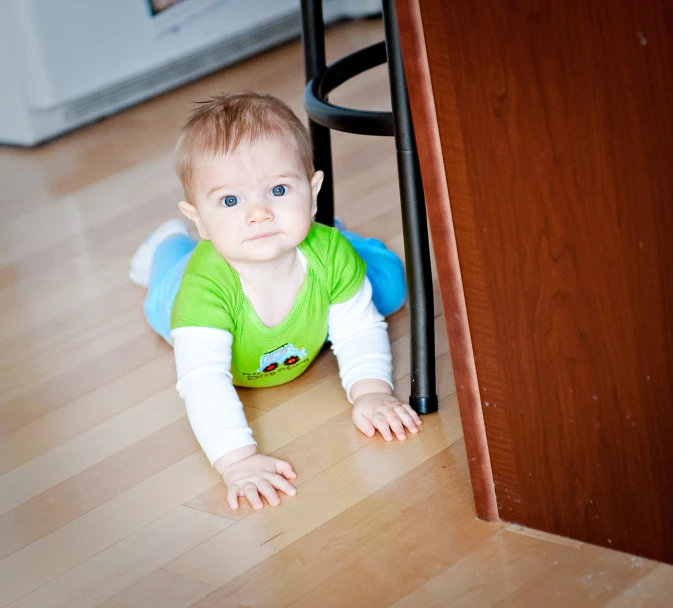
(383, 412)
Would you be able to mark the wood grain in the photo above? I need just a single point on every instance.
(330, 566)
(416, 66)
(126, 562)
(555, 128)
(160, 590)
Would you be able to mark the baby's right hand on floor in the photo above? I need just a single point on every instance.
(255, 476)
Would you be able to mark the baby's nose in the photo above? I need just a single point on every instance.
(259, 213)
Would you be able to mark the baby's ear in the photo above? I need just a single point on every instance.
(190, 211)
(316, 184)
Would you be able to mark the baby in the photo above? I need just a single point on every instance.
(253, 303)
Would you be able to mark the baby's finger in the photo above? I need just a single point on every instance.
(365, 426)
(414, 415)
(285, 468)
(251, 493)
(232, 496)
(280, 483)
(406, 419)
(396, 425)
(381, 423)
(269, 492)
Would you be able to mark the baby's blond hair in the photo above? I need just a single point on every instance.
(220, 125)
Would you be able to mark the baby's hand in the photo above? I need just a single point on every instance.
(385, 413)
(256, 476)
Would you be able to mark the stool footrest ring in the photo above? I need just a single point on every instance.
(362, 122)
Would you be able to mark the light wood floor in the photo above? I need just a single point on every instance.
(105, 498)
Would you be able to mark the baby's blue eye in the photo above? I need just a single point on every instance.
(279, 190)
(230, 200)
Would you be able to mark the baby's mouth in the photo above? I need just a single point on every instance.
(263, 235)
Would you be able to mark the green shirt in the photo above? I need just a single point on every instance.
(211, 295)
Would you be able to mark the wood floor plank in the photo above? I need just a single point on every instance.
(126, 562)
(488, 573)
(309, 454)
(402, 562)
(77, 255)
(31, 567)
(161, 589)
(387, 520)
(38, 516)
(272, 430)
(86, 321)
(28, 312)
(595, 579)
(115, 334)
(74, 213)
(86, 412)
(299, 415)
(653, 590)
(48, 396)
(95, 485)
(89, 448)
(525, 570)
(254, 539)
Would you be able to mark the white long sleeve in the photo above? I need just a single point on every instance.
(203, 362)
(359, 338)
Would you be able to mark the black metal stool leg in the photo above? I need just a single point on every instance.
(324, 116)
(414, 224)
(313, 33)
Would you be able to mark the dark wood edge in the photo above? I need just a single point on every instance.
(446, 254)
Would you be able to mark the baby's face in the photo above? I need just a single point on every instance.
(256, 203)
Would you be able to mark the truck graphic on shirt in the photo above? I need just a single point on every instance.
(285, 355)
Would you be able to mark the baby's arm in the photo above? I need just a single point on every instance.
(360, 342)
(203, 362)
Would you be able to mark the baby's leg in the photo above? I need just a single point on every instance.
(143, 262)
(385, 272)
(159, 265)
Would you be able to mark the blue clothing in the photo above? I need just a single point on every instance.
(168, 265)
(384, 271)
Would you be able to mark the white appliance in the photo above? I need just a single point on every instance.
(65, 63)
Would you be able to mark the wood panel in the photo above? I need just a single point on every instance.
(441, 224)
(557, 138)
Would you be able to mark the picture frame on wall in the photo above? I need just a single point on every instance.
(169, 14)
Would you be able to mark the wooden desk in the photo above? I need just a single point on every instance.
(545, 132)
